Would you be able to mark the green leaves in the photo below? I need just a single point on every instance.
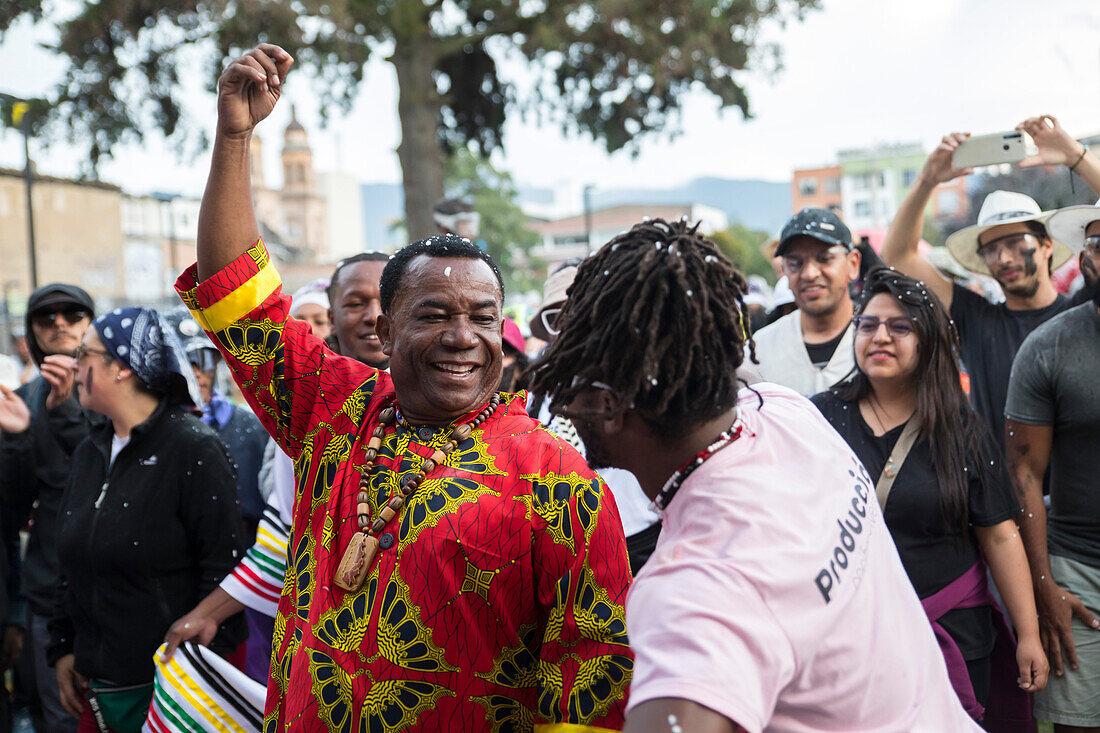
(503, 224)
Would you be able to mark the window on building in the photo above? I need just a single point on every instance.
(880, 180)
(908, 177)
(947, 202)
(862, 208)
(807, 186)
(832, 185)
(861, 182)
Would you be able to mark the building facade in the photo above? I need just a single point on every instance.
(160, 232)
(571, 238)
(816, 188)
(78, 237)
(297, 212)
(867, 185)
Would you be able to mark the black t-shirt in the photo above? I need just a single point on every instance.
(933, 552)
(990, 336)
(821, 354)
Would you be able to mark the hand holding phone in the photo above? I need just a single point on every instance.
(992, 149)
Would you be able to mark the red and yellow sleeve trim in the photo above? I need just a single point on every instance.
(233, 292)
(570, 728)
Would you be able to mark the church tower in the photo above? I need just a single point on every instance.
(266, 201)
(303, 209)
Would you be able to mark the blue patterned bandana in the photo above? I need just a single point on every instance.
(142, 340)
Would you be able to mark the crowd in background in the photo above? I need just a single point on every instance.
(145, 503)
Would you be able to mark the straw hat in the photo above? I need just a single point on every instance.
(553, 294)
(1068, 225)
(999, 208)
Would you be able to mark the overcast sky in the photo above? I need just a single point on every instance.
(856, 73)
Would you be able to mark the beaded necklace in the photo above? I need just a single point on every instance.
(353, 567)
(676, 480)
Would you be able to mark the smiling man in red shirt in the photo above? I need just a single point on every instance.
(453, 566)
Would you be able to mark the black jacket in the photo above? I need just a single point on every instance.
(35, 465)
(142, 542)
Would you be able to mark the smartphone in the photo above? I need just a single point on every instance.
(993, 149)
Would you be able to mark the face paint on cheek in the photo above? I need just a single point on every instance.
(1030, 268)
(88, 381)
(1088, 269)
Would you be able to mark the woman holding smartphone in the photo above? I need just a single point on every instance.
(946, 495)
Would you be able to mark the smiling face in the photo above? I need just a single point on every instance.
(1016, 257)
(356, 305)
(819, 274)
(884, 355)
(443, 337)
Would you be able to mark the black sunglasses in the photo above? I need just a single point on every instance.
(72, 314)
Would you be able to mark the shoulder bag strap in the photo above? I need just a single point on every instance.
(897, 457)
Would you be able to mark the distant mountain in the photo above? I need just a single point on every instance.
(763, 205)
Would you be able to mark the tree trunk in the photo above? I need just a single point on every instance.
(421, 156)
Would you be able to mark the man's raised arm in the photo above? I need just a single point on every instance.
(900, 248)
(247, 92)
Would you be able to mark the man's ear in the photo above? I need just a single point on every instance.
(608, 402)
(855, 257)
(331, 320)
(383, 328)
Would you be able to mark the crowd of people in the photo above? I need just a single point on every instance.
(871, 507)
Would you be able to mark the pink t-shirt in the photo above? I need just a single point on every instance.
(775, 595)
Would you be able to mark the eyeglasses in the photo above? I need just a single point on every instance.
(990, 251)
(898, 326)
(549, 318)
(794, 264)
(1092, 244)
(72, 315)
(83, 351)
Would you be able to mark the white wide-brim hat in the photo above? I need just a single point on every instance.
(1068, 225)
(999, 208)
(553, 293)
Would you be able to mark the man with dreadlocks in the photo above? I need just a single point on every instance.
(774, 583)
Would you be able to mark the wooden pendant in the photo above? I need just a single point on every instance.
(353, 568)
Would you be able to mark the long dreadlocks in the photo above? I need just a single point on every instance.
(656, 315)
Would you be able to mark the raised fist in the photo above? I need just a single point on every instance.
(249, 88)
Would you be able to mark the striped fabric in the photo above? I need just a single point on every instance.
(199, 691)
(257, 581)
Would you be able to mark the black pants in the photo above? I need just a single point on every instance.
(979, 671)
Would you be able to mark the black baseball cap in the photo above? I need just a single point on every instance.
(820, 224)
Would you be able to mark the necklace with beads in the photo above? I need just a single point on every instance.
(352, 570)
(676, 480)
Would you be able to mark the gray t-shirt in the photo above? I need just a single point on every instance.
(1056, 381)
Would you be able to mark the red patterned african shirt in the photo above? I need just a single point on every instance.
(500, 604)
